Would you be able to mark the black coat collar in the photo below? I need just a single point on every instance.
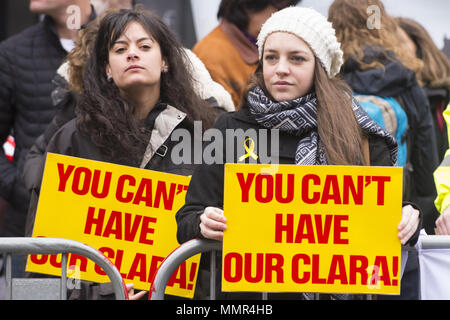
(244, 115)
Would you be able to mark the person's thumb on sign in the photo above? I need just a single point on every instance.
(132, 295)
(213, 223)
(409, 223)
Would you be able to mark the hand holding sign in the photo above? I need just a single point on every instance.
(132, 295)
(213, 223)
(409, 223)
(443, 222)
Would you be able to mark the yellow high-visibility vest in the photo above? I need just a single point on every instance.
(442, 173)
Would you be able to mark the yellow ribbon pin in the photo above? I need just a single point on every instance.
(249, 151)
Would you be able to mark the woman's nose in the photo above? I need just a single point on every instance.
(132, 56)
(282, 67)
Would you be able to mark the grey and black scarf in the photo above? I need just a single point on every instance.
(299, 117)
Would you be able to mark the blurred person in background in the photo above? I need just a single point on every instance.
(229, 51)
(28, 63)
(375, 64)
(442, 180)
(434, 75)
(100, 6)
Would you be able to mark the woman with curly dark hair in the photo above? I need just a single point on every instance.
(69, 80)
(137, 69)
(106, 127)
(137, 88)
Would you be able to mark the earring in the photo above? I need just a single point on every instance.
(165, 70)
(109, 77)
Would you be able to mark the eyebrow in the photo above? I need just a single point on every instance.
(139, 40)
(291, 52)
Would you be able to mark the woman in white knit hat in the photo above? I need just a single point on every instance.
(295, 91)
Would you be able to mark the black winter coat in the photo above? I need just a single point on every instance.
(399, 82)
(28, 64)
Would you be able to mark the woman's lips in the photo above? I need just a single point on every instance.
(133, 68)
(280, 85)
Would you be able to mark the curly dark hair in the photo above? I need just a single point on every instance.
(105, 116)
(236, 11)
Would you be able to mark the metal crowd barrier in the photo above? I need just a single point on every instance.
(176, 258)
(435, 242)
(196, 246)
(28, 245)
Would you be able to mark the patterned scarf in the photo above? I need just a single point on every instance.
(299, 117)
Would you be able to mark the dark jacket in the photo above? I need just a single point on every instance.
(207, 183)
(66, 112)
(399, 82)
(28, 64)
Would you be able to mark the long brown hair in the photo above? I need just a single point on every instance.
(349, 18)
(436, 65)
(338, 129)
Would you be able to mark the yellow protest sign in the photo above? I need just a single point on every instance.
(294, 228)
(127, 213)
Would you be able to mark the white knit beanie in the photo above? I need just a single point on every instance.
(310, 26)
